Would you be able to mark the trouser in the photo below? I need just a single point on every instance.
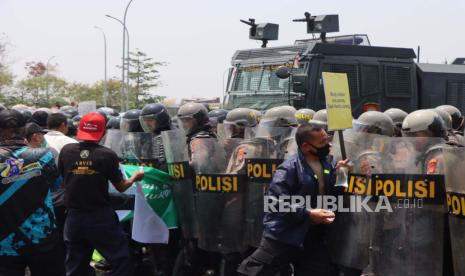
(273, 257)
(196, 261)
(164, 255)
(86, 231)
(43, 261)
(60, 222)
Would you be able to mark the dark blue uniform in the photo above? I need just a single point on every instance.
(290, 237)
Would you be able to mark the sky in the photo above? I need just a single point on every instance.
(199, 38)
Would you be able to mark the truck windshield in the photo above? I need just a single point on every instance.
(261, 78)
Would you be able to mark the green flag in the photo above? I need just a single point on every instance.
(157, 190)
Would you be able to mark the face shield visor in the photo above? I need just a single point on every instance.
(148, 123)
(130, 125)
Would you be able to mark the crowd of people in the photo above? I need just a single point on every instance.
(56, 208)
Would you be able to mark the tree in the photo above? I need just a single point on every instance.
(143, 77)
(6, 77)
(41, 87)
(79, 92)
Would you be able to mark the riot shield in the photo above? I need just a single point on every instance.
(137, 148)
(348, 236)
(219, 187)
(263, 154)
(406, 238)
(455, 199)
(175, 146)
(112, 140)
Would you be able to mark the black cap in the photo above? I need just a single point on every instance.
(10, 118)
(40, 117)
(32, 128)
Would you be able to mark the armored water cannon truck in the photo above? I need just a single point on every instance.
(379, 77)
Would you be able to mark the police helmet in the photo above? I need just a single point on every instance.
(258, 115)
(154, 118)
(27, 114)
(374, 122)
(446, 118)
(76, 120)
(456, 115)
(237, 120)
(397, 116)
(72, 129)
(280, 116)
(218, 115)
(114, 123)
(104, 114)
(320, 118)
(130, 121)
(110, 112)
(304, 115)
(196, 111)
(423, 123)
(69, 111)
(175, 124)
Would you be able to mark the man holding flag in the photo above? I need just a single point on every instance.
(91, 222)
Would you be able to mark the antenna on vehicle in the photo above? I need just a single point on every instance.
(262, 31)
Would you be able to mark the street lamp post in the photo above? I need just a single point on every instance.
(105, 92)
(124, 28)
(47, 97)
(124, 96)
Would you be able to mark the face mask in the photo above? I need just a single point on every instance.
(321, 152)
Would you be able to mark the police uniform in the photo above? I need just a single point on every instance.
(91, 223)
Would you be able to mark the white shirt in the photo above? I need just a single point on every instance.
(57, 140)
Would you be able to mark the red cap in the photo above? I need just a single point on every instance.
(91, 127)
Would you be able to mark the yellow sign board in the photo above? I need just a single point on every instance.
(337, 98)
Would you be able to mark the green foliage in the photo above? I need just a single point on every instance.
(144, 77)
(43, 87)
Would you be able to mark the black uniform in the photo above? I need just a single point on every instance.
(91, 222)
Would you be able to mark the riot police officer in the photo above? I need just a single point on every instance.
(196, 124)
(114, 123)
(131, 147)
(453, 138)
(109, 112)
(397, 115)
(278, 124)
(304, 115)
(69, 111)
(130, 121)
(237, 120)
(154, 119)
(76, 120)
(376, 123)
(425, 124)
(457, 118)
(195, 121)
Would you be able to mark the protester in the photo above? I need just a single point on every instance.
(40, 117)
(91, 222)
(297, 237)
(28, 234)
(34, 135)
(56, 139)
